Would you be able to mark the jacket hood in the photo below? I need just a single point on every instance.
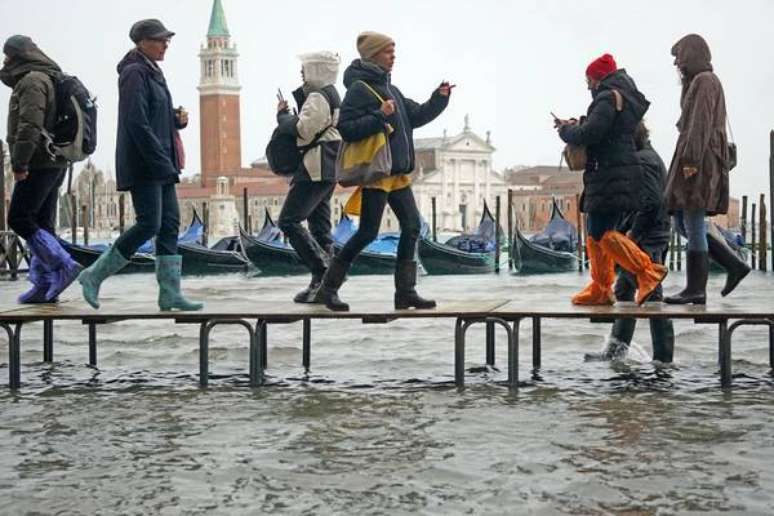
(692, 55)
(620, 80)
(367, 71)
(25, 57)
(134, 56)
(320, 69)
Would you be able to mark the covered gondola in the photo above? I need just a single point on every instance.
(472, 253)
(551, 250)
(377, 258)
(86, 255)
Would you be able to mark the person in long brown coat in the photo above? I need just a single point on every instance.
(697, 185)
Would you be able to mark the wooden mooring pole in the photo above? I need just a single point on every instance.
(435, 235)
(743, 219)
(753, 238)
(73, 219)
(121, 213)
(2, 186)
(771, 194)
(672, 244)
(579, 225)
(245, 211)
(85, 223)
(206, 222)
(763, 260)
(497, 235)
(510, 229)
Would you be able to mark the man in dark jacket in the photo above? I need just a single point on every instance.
(373, 105)
(649, 228)
(37, 170)
(611, 181)
(148, 163)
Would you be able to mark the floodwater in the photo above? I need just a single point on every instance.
(378, 427)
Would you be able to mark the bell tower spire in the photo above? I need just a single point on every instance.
(221, 150)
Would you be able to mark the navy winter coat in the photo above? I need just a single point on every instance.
(361, 116)
(145, 147)
(613, 172)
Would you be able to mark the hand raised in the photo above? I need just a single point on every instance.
(282, 105)
(388, 107)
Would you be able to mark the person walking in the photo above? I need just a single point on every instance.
(363, 115)
(311, 187)
(649, 227)
(697, 185)
(37, 170)
(611, 181)
(148, 163)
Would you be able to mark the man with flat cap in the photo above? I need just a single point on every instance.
(38, 172)
(148, 163)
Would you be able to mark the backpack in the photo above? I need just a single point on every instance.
(73, 135)
(283, 153)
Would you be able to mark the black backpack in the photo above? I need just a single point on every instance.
(283, 153)
(74, 133)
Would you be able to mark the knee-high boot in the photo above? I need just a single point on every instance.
(695, 291)
(600, 290)
(628, 255)
(736, 269)
(328, 293)
(406, 295)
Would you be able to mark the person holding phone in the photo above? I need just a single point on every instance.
(313, 183)
(363, 115)
(148, 164)
(611, 181)
(698, 176)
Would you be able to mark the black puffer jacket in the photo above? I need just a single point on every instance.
(361, 117)
(145, 146)
(613, 171)
(650, 224)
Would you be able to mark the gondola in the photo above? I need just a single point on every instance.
(733, 240)
(273, 257)
(377, 258)
(86, 255)
(472, 253)
(200, 260)
(551, 250)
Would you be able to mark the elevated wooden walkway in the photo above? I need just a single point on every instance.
(255, 317)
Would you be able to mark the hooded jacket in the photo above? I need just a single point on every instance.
(318, 111)
(613, 172)
(147, 126)
(649, 225)
(32, 107)
(702, 142)
(361, 114)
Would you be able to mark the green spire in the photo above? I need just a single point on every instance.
(218, 27)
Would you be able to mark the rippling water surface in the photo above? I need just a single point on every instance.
(378, 427)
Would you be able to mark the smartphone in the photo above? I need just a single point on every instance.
(279, 95)
(553, 115)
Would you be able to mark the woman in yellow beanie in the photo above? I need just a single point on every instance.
(363, 115)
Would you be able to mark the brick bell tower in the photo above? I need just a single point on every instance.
(221, 149)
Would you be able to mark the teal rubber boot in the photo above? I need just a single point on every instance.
(91, 278)
(168, 268)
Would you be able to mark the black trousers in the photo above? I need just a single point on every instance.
(309, 201)
(157, 214)
(34, 202)
(662, 332)
(374, 201)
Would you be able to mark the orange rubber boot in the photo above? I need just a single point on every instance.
(628, 255)
(600, 290)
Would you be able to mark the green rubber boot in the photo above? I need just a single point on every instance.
(91, 278)
(168, 269)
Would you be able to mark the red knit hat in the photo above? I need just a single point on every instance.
(601, 67)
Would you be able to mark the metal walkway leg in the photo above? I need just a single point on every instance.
(490, 343)
(256, 359)
(204, 354)
(459, 354)
(14, 354)
(537, 343)
(93, 344)
(306, 353)
(48, 340)
(513, 356)
(724, 354)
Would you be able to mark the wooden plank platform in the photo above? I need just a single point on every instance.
(256, 316)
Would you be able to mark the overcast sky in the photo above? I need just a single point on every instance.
(513, 62)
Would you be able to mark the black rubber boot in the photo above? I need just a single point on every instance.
(722, 254)
(309, 294)
(331, 282)
(662, 334)
(695, 292)
(405, 282)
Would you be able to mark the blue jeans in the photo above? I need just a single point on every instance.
(691, 225)
(157, 214)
